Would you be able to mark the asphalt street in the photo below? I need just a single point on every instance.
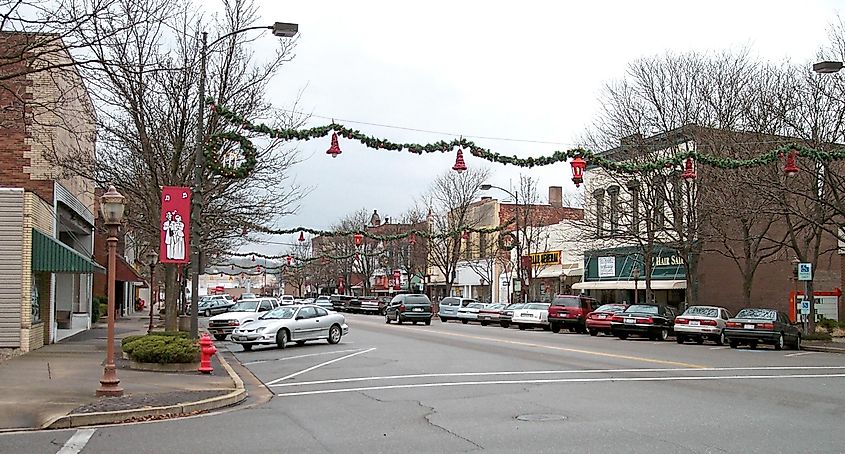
(462, 388)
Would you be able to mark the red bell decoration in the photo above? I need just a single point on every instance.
(578, 166)
(689, 172)
(301, 237)
(460, 165)
(412, 239)
(790, 168)
(334, 150)
(465, 235)
(358, 239)
(253, 257)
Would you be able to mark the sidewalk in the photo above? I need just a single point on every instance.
(42, 387)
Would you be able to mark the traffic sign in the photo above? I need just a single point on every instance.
(805, 272)
(805, 307)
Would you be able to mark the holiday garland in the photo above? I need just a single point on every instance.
(592, 158)
(213, 158)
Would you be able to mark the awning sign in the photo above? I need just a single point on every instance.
(175, 224)
(545, 258)
(607, 266)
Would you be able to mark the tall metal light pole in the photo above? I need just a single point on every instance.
(152, 260)
(635, 273)
(280, 29)
(112, 204)
(519, 270)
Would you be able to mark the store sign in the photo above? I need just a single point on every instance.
(671, 260)
(607, 266)
(545, 258)
(175, 224)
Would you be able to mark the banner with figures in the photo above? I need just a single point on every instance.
(175, 224)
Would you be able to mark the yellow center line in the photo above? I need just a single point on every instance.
(551, 347)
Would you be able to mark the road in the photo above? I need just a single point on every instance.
(463, 388)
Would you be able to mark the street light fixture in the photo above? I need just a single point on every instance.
(519, 268)
(827, 67)
(152, 260)
(112, 204)
(635, 273)
(280, 29)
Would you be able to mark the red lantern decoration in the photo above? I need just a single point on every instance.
(790, 168)
(578, 166)
(689, 173)
(258, 268)
(334, 150)
(289, 259)
(412, 239)
(460, 165)
(465, 235)
(301, 237)
(358, 239)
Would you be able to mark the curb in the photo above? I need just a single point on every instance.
(819, 348)
(120, 416)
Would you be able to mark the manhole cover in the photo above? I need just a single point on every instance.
(541, 417)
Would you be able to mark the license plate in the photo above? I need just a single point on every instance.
(694, 323)
(417, 309)
(238, 338)
(630, 320)
(525, 315)
(602, 316)
(748, 326)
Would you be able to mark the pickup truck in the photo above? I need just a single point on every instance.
(246, 310)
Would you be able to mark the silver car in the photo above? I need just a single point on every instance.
(298, 324)
(449, 307)
(702, 322)
(470, 312)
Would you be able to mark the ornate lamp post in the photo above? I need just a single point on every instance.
(635, 273)
(152, 260)
(112, 204)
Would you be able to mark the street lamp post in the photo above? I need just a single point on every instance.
(112, 204)
(635, 273)
(519, 270)
(280, 29)
(152, 260)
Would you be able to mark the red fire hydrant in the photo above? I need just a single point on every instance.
(207, 349)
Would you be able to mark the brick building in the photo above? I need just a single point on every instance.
(46, 218)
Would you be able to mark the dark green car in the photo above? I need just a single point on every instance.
(413, 308)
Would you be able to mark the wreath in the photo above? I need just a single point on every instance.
(214, 161)
(509, 244)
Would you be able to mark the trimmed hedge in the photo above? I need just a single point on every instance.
(160, 347)
(818, 336)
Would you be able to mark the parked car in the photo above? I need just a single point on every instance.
(291, 324)
(754, 326)
(507, 314)
(532, 315)
(570, 311)
(449, 307)
(247, 296)
(244, 311)
(413, 307)
(340, 303)
(324, 301)
(649, 320)
(598, 321)
(702, 322)
(215, 304)
(469, 312)
(287, 299)
(490, 314)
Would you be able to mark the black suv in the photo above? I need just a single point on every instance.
(413, 308)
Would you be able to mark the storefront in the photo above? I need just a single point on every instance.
(616, 275)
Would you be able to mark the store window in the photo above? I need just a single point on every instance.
(634, 189)
(35, 302)
(613, 192)
(598, 194)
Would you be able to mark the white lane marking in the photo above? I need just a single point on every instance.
(555, 372)
(77, 441)
(799, 354)
(318, 366)
(560, 380)
(718, 348)
(297, 357)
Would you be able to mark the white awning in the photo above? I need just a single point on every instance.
(560, 270)
(629, 285)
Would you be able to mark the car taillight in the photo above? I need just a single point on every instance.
(681, 321)
(765, 326)
(709, 322)
(234, 323)
(645, 320)
(733, 325)
(616, 318)
(401, 308)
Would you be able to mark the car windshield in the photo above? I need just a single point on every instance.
(764, 314)
(702, 311)
(279, 313)
(567, 301)
(537, 306)
(610, 308)
(475, 306)
(643, 309)
(245, 306)
(495, 306)
(516, 306)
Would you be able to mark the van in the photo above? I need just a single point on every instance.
(570, 311)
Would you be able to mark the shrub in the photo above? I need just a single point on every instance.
(818, 336)
(828, 324)
(169, 333)
(95, 313)
(161, 349)
(128, 340)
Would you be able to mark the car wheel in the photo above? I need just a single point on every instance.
(622, 336)
(207, 313)
(281, 338)
(753, 345)
(300, 343)
(414, 322)
(721, 339)
(387, 319)
(484, 323)
(663, 334)
(797, 344)
(779, 342)
(247, 347)
(335, 333)
(680, 339)
(428, 322)
(220, 337)
(444, 320)
(398, 319)
(699, 340)
(555, 328)
(594, 332)
(464, 321)
(521, 326)
(504, 324)
(734, 344)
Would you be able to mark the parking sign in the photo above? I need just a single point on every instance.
(805, 272)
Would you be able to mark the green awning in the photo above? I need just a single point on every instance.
(50, 255)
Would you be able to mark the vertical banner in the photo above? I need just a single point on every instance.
(397, 280)
(175, 224)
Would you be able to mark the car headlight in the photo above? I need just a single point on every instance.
(258, 330)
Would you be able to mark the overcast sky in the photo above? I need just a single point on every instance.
(527, 70)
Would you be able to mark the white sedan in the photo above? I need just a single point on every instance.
(469, 312)
(698, 323)
(292, 323)
(532, 315)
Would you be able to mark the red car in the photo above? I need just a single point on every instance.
(598, 321)
(570, 311)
